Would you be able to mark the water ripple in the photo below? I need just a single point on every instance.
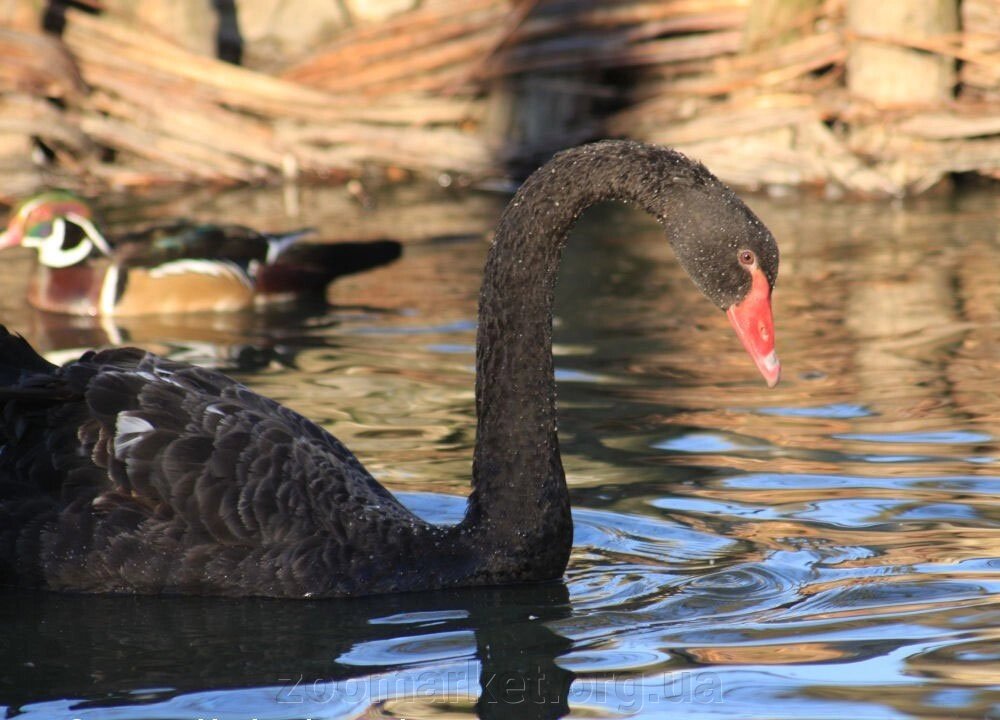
(411, 650)
(834, 411)
(825, 549)
(942, 437)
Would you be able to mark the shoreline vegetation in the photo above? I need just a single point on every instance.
(841, 96)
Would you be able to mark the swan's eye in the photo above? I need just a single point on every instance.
(747, 257)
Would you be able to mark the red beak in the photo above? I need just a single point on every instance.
(754, 325)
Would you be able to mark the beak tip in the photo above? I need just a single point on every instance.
(770, 368)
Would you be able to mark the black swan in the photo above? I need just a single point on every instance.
(125, 472)
(174, 267)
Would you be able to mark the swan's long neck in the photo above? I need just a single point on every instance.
(519, 502)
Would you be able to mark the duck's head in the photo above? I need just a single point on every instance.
(59, 225)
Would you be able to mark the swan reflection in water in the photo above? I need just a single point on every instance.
(493, 648)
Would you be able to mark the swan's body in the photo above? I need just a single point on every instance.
(125, 472)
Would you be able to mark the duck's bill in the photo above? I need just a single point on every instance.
(11, 236)
(754, 325)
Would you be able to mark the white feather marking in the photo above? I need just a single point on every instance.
(109, 291)
(129, 429)
(215, 268)
(158, 375)
(277, 244)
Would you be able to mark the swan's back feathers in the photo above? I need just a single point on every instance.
(18, 358)
(126, 471)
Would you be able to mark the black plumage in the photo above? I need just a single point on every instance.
(126, 472)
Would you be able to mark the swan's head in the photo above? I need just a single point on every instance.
(58, 225)
(752, 319)
(732, 258)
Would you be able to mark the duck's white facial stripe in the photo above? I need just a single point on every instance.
(51, 252)
(31, 205)
(92, 233)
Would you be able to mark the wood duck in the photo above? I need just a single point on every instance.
(175, 267)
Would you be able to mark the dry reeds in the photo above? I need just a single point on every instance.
(115, 104)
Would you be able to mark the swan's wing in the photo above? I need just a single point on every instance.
(129, 431)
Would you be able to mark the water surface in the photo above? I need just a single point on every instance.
(827, 549)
